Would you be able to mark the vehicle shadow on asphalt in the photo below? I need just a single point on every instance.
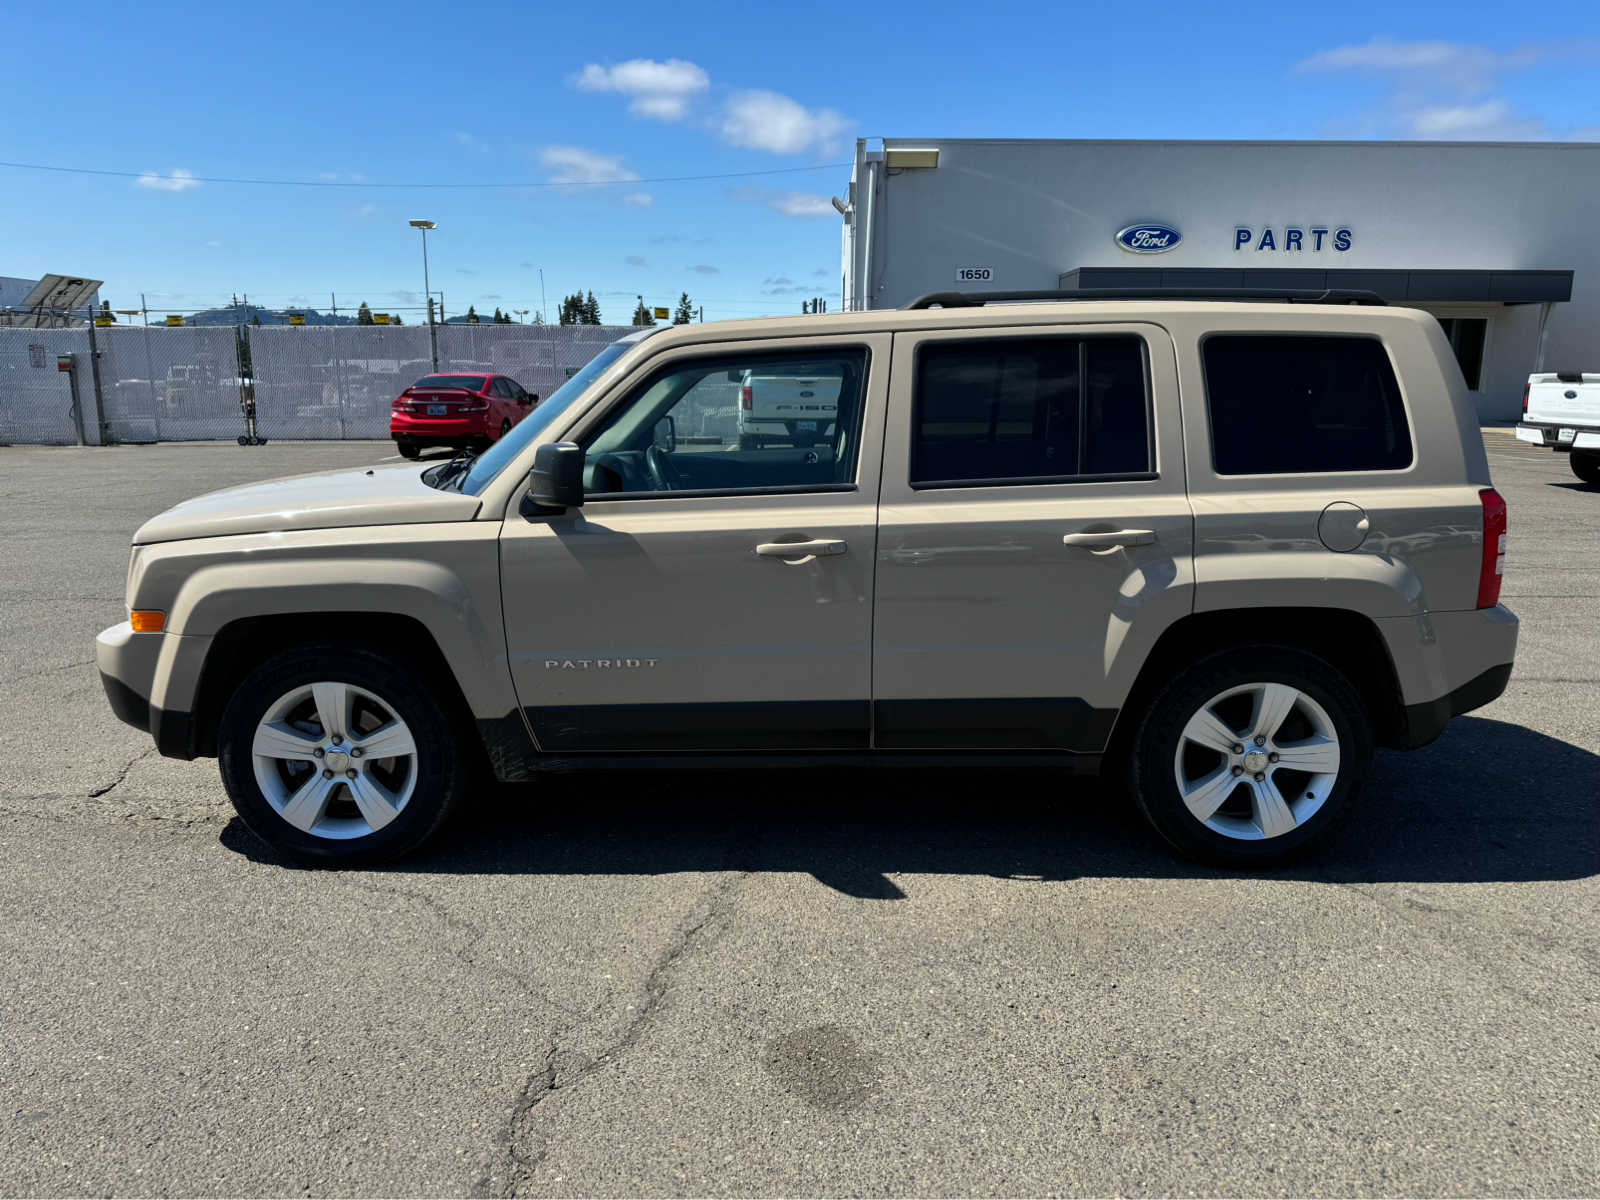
(1488, 802)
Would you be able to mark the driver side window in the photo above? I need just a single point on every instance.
(734, 423)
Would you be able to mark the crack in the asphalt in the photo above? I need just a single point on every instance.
(521, 1164)
(474, 935)
(72, 666)
(123, 774)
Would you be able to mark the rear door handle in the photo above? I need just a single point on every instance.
(805, 551)
(1111, 537)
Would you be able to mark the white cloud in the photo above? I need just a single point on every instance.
(178, 181)
(365, 212)
(661, 91)
(788, 204)
(705, 269)
(1492, 120)
(1443, 90)
(471, 142)
(758, 120)
(574, 166)
(638, 199)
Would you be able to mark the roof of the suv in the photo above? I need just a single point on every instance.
(888, 320)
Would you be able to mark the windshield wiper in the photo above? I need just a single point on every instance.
(456, 469)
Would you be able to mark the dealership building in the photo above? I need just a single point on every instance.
(1500, 241)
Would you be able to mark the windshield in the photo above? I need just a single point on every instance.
(472, 383)
(493, 460)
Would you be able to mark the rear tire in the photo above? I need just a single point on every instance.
(408, 449)
(505, 428)
(1195, 751)
(308, 789)
(1586, 466)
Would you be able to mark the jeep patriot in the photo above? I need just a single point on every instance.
(1218, 549)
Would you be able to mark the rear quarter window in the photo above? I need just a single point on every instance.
(1288, 404)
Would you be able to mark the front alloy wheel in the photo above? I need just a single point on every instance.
(342, 755)
(334, 760)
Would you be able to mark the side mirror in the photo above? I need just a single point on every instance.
(530, 398)
(666, 435)
(556, 480)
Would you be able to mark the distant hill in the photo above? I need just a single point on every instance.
(244, 313)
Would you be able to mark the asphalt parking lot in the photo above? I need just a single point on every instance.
(815, 983)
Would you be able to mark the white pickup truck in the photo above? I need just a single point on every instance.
(1561, 409)
(794, 404)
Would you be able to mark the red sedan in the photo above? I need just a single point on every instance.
(460, 411)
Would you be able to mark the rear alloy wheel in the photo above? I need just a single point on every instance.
(1586, 466)
(339, 756)
(1249, 756)
(505, 428)
(409, 449)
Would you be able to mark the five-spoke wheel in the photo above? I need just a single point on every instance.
(1249, 754)
(340, 755)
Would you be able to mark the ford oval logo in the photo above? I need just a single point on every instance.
(1149, 238)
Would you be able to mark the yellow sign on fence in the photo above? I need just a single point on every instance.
(662, 314)
(173, 320)
(380, 318)
(297, 318)
(104, 322)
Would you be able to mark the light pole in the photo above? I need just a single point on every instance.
(427, 290)
(521, 312)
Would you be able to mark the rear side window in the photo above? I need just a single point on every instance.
(1303, 404)
(1030, 410)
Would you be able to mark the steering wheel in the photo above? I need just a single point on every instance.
(663, 475)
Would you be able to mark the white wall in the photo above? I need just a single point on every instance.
(1031, 210)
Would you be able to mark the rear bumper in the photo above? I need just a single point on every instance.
(1537, 433)
(441, 429)
(1449, 663)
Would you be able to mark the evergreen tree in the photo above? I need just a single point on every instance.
(642, 315)
(255, 319)
(498, 318)
(472, 315)
(684, 313)
(591, 311)
(572, 309)
(395, 320)
(363, 314)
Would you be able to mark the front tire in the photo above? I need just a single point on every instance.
(1586, 466)
(338, 756)
(1250, 755)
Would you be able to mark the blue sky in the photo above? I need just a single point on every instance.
(549, 97)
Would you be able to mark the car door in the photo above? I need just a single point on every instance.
(1034, 535)
(705, 597)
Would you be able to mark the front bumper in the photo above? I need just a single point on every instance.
(130, 665)
(1579, 437)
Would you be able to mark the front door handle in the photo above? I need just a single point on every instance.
(1111, 538)
(802, 551)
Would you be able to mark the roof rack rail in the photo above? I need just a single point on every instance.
(1292, 295)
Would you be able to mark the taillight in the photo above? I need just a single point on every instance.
(1494, 547)
(747, 398)
(1525, 389)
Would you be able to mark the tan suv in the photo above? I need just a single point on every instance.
(1222, 548)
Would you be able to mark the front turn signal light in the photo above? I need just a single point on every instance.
(148, 622)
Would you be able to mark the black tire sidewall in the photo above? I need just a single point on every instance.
(441, 766)
(1155, 790)
(1585, 466)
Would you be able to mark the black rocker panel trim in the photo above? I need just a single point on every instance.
(781, 725)
(1035, 723)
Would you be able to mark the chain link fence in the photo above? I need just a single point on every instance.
(318, 382)
(36, 397)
